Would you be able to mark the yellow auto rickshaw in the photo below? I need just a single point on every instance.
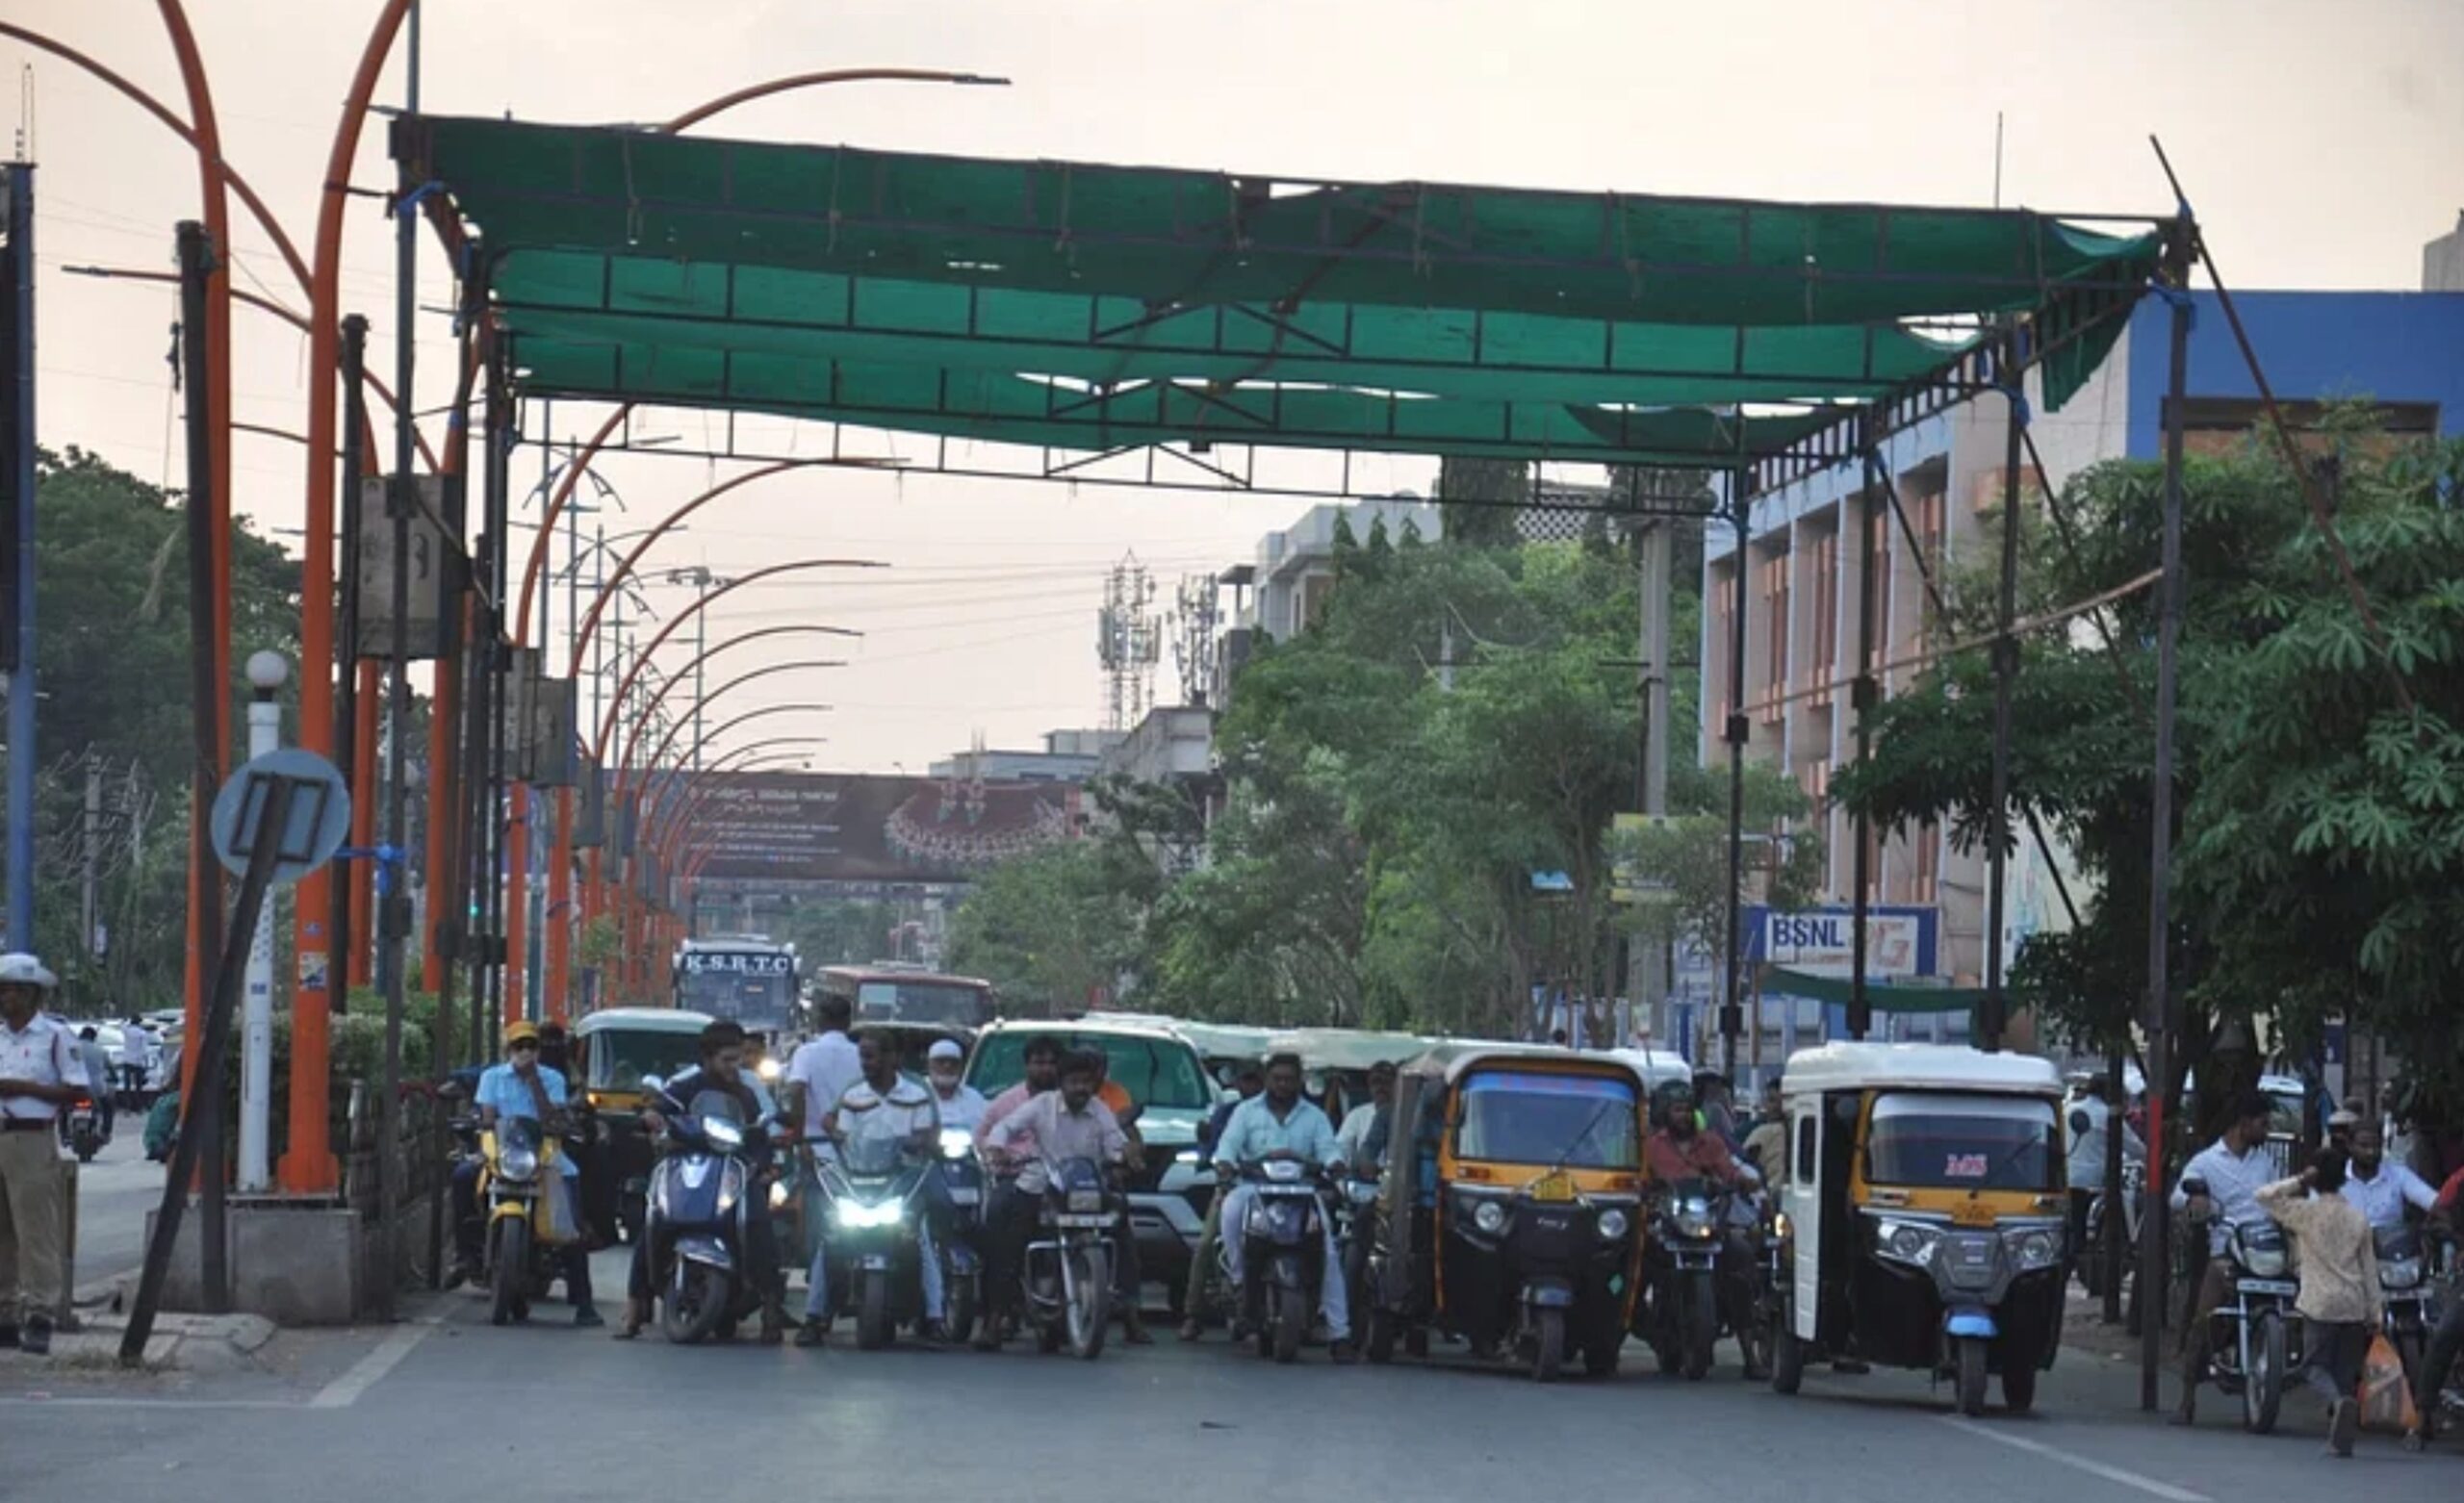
(1511, 1208)
(1924, 1204)
(614, 1050)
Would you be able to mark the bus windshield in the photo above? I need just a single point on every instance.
(755, 988)
(950, 1003)
(1943, 1141)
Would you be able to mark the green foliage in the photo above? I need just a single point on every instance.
(1476, 498)
(2321, 839)
(1047, 929)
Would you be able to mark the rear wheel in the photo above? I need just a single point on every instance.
(1089, 1310)
(511, 1272)
(698, 1297)
(1698, 1316)
(1549, 1356)
(1969, 1357)
(2263, 1385)
(874, 1326)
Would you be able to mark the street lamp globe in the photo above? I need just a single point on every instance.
(266, 671)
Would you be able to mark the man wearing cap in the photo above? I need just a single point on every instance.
(524, 1089)
(40, 1073)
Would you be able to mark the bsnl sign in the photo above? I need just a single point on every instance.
(1900, 941)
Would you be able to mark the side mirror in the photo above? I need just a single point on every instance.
(653, 1083)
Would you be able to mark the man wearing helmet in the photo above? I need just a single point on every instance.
(40, 1073)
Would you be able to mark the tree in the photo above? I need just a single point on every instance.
(1476, 500)
(1048, 928)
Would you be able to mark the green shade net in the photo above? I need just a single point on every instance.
(1839, 991)
(1082, 306)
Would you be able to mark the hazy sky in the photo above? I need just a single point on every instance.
(2322, 143)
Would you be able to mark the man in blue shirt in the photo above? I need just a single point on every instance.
(523, 1089)
(1281, 1124)
(1250, 1079)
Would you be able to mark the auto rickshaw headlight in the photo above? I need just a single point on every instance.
(778, 1193)
(1613, 1224)
(1908, 1242)
(1781, 1226)
(1489, 1216)
(2036, 1249)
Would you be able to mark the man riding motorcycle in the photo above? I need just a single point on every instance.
(1281, 1125)
(1042, 1129)
(882, 1107)
(526, 1089)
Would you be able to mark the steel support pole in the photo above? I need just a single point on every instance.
(2152, 1235)
(1732, 1005)
(202, 1117)
(21, 483)
(1995, 1011)
(256, 999)
(349, 939)
(1864, 697)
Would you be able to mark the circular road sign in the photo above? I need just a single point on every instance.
(318, 823)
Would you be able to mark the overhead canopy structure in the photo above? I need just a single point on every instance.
(1082, 306)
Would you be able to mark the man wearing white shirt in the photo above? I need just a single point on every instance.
(40, 1073)
(2089, 1120)
(2380, 1191)
(2226, 1176)
(824, 1067)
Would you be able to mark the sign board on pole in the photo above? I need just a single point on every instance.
(1900, 940)
(590, 809)
(318, 823)
(431, 570)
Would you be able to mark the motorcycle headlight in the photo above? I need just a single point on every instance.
(1283, 1171)
(518, 1163)
(856, 1214)
(957, 1143)
(1186, 1156)
(1086, 1202)
(1489, 1216)
(778, 1193)
(2040, 1248)
(1613, 1224)
(1781, 1226)
(2401, 1274)
(2263, 1262)
(721, 1132)
(1908, 1242)
(767, 1069)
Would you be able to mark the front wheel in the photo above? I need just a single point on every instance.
(1549, 1356)
(2019, 1382)
(507, 1295)
(873, 1323)
(1380, 1345)
(1288, 1316)
(960, 1316)
(1698, 1314)
(1787, 1353)
(698, 1298)
(1970, 1359)
(2263, 1385)
(1089, 1310)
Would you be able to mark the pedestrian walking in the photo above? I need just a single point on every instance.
(40, 1073)
(2339, 1297)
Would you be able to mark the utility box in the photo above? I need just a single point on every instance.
(434, 568)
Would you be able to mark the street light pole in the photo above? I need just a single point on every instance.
(267, 672)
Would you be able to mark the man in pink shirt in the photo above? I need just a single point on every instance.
(1005, 1204)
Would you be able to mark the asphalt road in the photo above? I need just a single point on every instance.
(552, 1413)
(114, 1194)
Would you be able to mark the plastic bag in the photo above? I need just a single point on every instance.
(2386, 1396)
(557, 1220)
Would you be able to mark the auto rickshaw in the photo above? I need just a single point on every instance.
(615, 1050)
(1510, 1208)
(1925, 1208)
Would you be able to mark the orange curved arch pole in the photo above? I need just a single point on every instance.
(702, 603)
(667, 686)
(308, 1165)
(695, 784)
(865, 75)
(668, 743)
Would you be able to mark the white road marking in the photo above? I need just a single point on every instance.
(98, 1401)
(371, 1370)
(2127, 1478)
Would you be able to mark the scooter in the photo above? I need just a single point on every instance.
(1283, 1252)
(873, 1197)
(1069, 1273)
(701, 1194)
(84, 1129)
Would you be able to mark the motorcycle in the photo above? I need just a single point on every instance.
(521, 1262)
(2254, 1350)
(1685, 1256)
(1069, 1272)
(84, 1129)
(1355, 1204)
(874, 1198)
(2091, 1243)
(962, 1262)
(1748, 1276)
(1283, 1252)
(699, 1197)
(2404, 1293)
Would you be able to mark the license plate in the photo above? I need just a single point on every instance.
(965, 1197)
(1083, 1221)
(1556, 1188)
(2284, 1289)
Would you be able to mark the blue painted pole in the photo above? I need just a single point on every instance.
(21, 675)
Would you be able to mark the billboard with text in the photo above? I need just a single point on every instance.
(861, 828)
